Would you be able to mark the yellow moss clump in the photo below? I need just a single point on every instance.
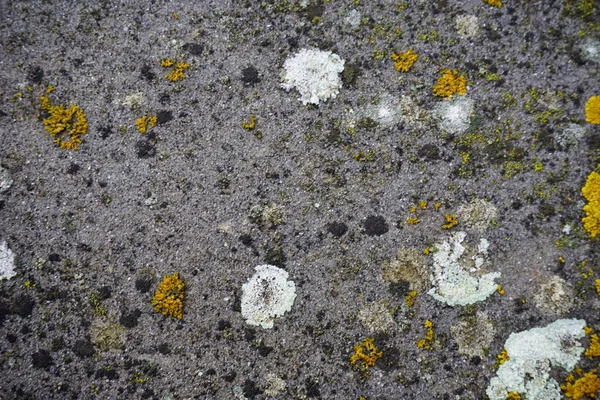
(591, 192)
(495, 3)
(427, 342)
(66, 125)
(366, 353)
(451, 221)
(404, 61)
(168, 299)
(594, 349)
(592, 110)
(451, 82)
(143, 122)
(178, 71)
(587, 385)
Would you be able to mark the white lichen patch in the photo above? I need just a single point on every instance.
(267, 295)
(134, 100)
(352, 19)
(7, 262)
(571, 135)
(453, 284)
(555, 297)
(532, 353)
(387, 112)
(590, 50)
(474, 334)
(467, 26)
(314, 73)
(409, 265)
(478, 216)
(412, 113)
(376, 318)
(274, 385)
(454, 115)
(5, 180)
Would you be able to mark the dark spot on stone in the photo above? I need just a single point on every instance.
(41, 359)
(350, 74)
(546, 209)
(11, 338)
(105, 131)
(476, 360)
(4, 311)
(390, 359)
(103, 293)
(367, 123)
(315, 9)
(73, 168)
(130, 319)
(22, 305)
(57, 344)
(249, 334)
(106, 373)
(194, 49)
(83, 348)
(337, 229)
(3, 114)
(84, 247)
(400, 288)
(164, 99)
(147, 74)
(35, 75)
(229, 377)
(429, 151)
(53, 257)
(250, 389)
(250, 75)
(143, 284)
(264, 350)
(210, 372)
(164, 348)
(593, 141)
(164, 117)
(222, 325)
(145, 149)
(375, 225)
(275, 256)
(25, 330)
(147, 393)
(312, 387)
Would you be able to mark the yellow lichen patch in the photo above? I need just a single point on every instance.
(404, 61)
(494, 3)
(168, 299)
(592, 110)
(513, 396)
(143, 122)
(409, 300)
(501, 358)
(66, 125)
(249, 125)
(587, 385)
(594, 349)
(451, 221)
(598, 287)
(413, 221)
(427, 342)
(178, 71)
(437, 206)
(423, 204)
(591, 192)
(451, 82)
(365, 354)
(500, 290)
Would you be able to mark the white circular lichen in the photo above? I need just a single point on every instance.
(314, 73)
(467, 26)
(267, 295)
(7, 262)
(455, 115)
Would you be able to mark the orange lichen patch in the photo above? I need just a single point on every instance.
(427, 342)
(178, 71)
(409, 300)
(495, 3)
(594, 349)
(513, 396)
(587, 385)
(249, 125)
(451, 221)
(591, 192)
(168, 299)
(404, 61)
(501, 358)
(144, 121)
(66, 125)
(413, 221)
(450, 83)
(365, 354)
(592, 110)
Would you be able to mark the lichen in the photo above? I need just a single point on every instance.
(409, 266)
(427, 342)
(178, 71)
(404, 61)
(249, 125)
(65, 124)
(586, 385)
(592, 110)
(376, 318)
(555, 297)
(591, 192)
(474, 334)
(494, 3)
(450, 83)
(143, 122)
(168, 299)
(365, 354)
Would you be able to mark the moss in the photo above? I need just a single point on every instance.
(592, 110)
(404, 61)
(450, 83)
(591, 192)
(168, 299)
(66, 125)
